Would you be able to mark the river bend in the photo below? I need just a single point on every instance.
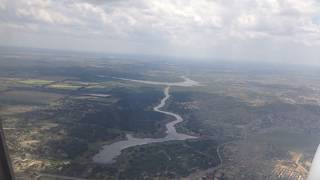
(109, 152)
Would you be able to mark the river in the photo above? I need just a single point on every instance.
(109, 152)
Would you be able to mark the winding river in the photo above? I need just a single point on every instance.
(108, 153)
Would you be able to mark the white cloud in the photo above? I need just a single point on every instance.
(198, 27)
(247, 20)
(3, 4)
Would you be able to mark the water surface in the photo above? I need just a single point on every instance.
(109, 152)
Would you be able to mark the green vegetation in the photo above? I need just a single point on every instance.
(27, 97)
(289, 140)
(132, 112)
(169, 159)
(53, 124)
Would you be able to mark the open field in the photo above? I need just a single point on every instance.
(28, 97)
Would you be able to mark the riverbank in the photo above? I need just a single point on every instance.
(109, 152)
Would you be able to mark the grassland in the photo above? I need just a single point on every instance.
(24, 97)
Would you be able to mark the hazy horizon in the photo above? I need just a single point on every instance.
(255, 31)
(160, 89)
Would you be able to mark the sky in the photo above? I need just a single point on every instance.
(239, 30)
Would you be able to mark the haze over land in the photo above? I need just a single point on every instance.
(63, 112)
(160, 89)
(238, 30)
